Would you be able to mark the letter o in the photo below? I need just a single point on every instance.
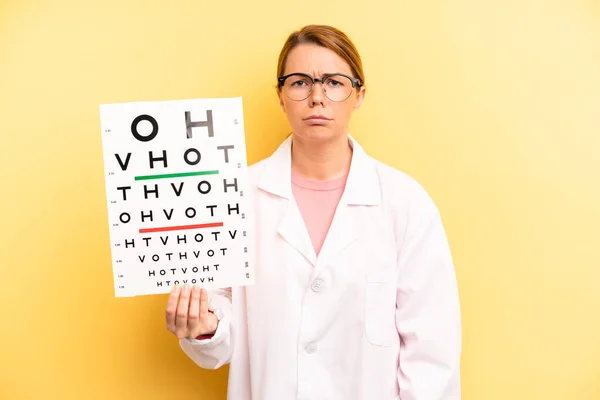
(195, 151)
(200, 187)
(136, 134)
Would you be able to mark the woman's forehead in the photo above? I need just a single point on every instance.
(315, 60)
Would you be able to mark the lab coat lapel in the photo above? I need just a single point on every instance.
(362, 189)
(342, 232)
(293, 229)
(276, 179)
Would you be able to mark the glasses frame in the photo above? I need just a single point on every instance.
(355, 83)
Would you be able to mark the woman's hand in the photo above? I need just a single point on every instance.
(187, 312)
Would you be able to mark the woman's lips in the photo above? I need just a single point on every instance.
(317, 119)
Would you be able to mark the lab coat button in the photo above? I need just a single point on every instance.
(317, 285)
(311, 347)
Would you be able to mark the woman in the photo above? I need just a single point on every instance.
(355, 294)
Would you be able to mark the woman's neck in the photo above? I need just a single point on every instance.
(319, 160)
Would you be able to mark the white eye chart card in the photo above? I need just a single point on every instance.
(176, 176)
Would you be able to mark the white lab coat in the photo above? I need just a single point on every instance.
(374, 317)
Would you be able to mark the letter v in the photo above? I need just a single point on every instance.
(123, 166)
(177, 192)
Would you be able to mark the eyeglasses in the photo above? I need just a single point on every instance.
(298, 86)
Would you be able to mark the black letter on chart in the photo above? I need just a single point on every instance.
(212, 210)
(228, 185)
(191, 162)
(208, 123)
(124, 217)
(123, 166)
(230, 209)
(146, 191)
(193, 212)
(152, 134)
(177, 192)
(124, 188)
(144, 216)
(163, 159)
(205, 183)
(168, 215)
(226, 152)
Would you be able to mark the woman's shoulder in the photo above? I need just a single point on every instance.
(402, 190)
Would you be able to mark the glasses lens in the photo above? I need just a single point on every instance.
(337, 87)
(297, 87)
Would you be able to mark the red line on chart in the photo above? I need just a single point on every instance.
(181, 227)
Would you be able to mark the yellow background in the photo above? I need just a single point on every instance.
(494, 106)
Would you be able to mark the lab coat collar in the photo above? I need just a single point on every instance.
(362, 184)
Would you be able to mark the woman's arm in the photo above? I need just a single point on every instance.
(428, 313)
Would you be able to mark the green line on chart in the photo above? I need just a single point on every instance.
(176, 175)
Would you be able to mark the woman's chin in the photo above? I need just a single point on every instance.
(317, 133)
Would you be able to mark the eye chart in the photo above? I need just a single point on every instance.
(175, 175)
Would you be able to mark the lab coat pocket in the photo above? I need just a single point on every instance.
(380, 307)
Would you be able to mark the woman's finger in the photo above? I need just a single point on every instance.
(203, 304)
(183, 307)
(171, 310)
(194, 313)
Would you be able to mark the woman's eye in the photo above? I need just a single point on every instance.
(334, 83)
(298, 83)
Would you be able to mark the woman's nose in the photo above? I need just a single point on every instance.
(318, 93)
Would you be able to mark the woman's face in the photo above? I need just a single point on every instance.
(317, 117)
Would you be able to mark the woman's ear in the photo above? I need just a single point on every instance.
(280, 97)
(360, 96)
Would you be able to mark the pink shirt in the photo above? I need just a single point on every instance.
(317, 201)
